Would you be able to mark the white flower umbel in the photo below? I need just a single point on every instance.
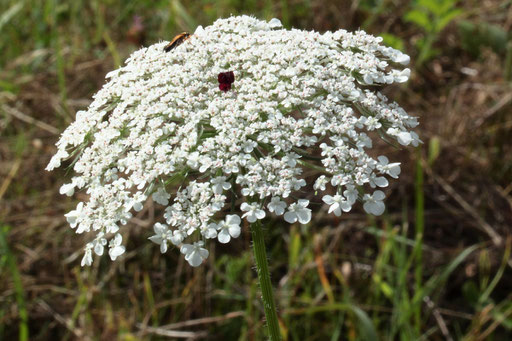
(233, 116)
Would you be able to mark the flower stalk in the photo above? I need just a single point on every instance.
(267, 295)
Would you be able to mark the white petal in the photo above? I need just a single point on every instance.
(186, 249)
(160, 228)
(375, 208)
(381, 181)
(98, 249)
(304, 216)
(251, 218)
(234, 231)
(163, 247)
(335, 207)
(87, 259)
(233, 219)
(378, 195)
(67, 189)
(204, 253)
(116, 252)
(328, 199)
(210, 233)
(290, 217)
(260, 214)
(275, 23)
(224, 236)
(157, 239)
(303, 202)
(383, 160)
(194, 259)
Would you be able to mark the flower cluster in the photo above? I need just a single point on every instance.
(301, 100)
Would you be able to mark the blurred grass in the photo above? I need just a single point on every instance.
(428, 270)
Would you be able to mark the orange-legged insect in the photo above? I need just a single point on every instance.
(176, 41)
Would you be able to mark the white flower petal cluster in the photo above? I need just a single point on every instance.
(300, 99)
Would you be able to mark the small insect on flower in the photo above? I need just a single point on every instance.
(176, 41)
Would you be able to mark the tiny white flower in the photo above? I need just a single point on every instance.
(87, 259)
(275, 23)
(73, 216)
(194, 254)
(162, 236)
(178, 236)
(277, 206)
(373, 203)
(392, 169)
(253, 212)
(229, 228)
(116, 249)
(220, 184)
(291, 159)
(199, 31)
(298, 211)
(249, 146)
(320, 183)
(337, 204)
(210, 231)
(404, 138)
(68, 189)
(351, 194)
(99, 243)
(379, 181)
(161, 196)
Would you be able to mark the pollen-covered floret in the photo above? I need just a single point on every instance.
(296, 100)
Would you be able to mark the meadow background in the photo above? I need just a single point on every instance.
(435, 266)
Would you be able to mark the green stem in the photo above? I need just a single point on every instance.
(264, 276)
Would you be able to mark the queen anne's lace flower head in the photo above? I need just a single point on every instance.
(233, 116)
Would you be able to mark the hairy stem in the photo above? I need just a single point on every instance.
(269, 305)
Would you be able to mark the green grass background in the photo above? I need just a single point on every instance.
(435, 266)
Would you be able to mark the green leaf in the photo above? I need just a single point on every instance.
(446, 19)
(434, 149)
(393, 41)
(419, 18)
(474, 36)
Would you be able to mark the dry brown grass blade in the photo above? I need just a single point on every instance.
(504, 101)
(439, 319)
(206, 320)
(176, 333)
(321, 270)
(482, 224)
(10, 176)
(169, 329)
(30, 120)
(77, 332)
(498, 321)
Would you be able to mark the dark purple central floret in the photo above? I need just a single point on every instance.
(225, 80)
(226, 77)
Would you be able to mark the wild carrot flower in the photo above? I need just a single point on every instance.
(301, 99)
